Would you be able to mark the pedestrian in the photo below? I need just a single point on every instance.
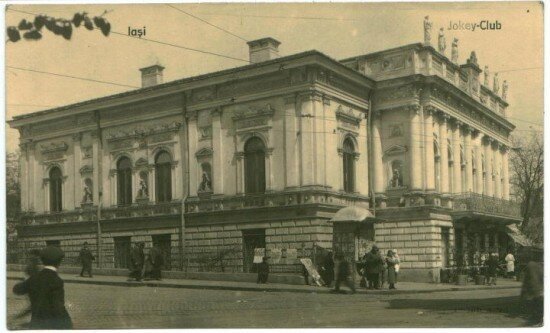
(343, 274)
(391, 262)
(46, 293)
(397, 266)
(157, 262)
(374, 264)
(147, 267)
(137, 259)
(328, 269)
(492, 268)
(263, 271)
(86, 257)
(510, 265)
(532, 293)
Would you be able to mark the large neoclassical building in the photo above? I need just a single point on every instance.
(406, 148)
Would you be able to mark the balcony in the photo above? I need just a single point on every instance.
(274, 199)
(477, 203)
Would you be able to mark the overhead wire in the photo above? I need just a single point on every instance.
(206, 22)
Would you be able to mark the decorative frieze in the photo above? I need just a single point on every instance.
(53, 150)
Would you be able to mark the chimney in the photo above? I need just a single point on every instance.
(263, 49)
(151, 76)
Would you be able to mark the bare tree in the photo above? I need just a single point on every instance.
(527, 163)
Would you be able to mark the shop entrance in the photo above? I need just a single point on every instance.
(252, 239)
(123, 248)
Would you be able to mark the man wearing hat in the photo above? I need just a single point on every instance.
(86, 258)
(46, 293)
(137, 259)
(374, 265)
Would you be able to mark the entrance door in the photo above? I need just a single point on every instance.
(164, 243)
(252, 239)
(123, 248)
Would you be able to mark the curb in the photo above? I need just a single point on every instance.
(322, 290)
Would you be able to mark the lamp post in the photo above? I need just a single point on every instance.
(99, 250)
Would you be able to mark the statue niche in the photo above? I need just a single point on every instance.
(88, 197)
(205, 185)
(143, 191)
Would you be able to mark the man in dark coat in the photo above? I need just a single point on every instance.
(374, 264)
(137, 259)
(86, 258)
(47, 294)
(263, 271)
(328, 269)
(343, 274)
(157, 261)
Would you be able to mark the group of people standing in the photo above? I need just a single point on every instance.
(145, 266)
(372, 269)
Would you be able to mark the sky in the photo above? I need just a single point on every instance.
(338, 30)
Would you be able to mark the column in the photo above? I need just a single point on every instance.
(95, 165)
(194, 173)
(361, 178)
(319, 151)
(444, 154)
(217, 154)
(113, 188)
(479, 165)
(468, 159)
(239, 157)
(180, 166)
(496, 170)
(307, 165)
(415, 151)
(77, 156)
(35, 182)
(290, 142)
(24, 182)
(457, 164)
(505, 174)
(486, 241)
(429, 171)
(377, 165)
(488, 166)
(269, 170)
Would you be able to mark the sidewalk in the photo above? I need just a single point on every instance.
(404, 287)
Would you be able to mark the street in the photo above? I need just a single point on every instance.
(101, 307)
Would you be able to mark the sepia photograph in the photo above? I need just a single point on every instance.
(230, 165)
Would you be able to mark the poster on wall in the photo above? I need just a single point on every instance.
(259, 254)
(275, 255)
(308, 264)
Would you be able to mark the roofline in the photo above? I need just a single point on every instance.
(195, 79)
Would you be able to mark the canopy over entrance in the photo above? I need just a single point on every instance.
(518, 237)
(354, 214)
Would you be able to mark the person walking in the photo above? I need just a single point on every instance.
(343, 274)
(86, 257)
(137, 259)
(263, 271)
(510, 265)
(391, 262)
(374, 264)
(46, 293)
(157, 262)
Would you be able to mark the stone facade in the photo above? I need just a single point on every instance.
(406, 125)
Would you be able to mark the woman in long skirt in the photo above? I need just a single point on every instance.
(391, 261)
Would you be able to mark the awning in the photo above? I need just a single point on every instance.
(518, 237)
(354, 214)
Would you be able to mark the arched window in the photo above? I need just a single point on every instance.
(254, 166)
(163, 175)
(124, 181)
(349, 165)
(56, 186)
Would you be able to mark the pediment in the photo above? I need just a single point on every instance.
(204, 152)
(396, 150)
(141, 162)
(87, 169)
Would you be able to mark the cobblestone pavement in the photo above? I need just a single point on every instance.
(96, 307)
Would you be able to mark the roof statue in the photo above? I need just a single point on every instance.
(473, 58)
(427, 30)
(496, 84)
(504, 90)
(441, 42)
(486, 74)
(454, 51)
